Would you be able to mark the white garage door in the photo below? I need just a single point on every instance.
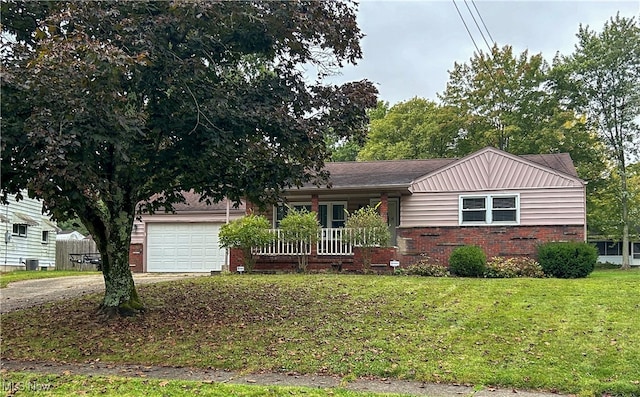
(184, 247)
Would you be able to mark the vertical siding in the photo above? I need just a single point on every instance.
(492, 170)
(19, 249)
(560, 206)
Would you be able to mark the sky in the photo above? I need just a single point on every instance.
(410, 46)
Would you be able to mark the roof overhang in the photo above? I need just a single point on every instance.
(354, 189)
(25, 219)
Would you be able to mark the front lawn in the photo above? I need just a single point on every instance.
(66, 385)
(572, 336)
(21, 275)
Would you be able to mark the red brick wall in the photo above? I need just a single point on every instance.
(289, 263)
(435, 242)
(351, 263)
(438, 242)
(135, 258)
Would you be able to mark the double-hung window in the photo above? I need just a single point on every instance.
(497, 209)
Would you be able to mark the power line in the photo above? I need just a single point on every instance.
(467, 27)
(483, 24)
(477, 25)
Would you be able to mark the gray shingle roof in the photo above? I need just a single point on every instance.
(400, 173)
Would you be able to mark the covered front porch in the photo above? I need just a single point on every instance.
(332, 251)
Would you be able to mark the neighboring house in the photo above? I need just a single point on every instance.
(29, 236)
(66, 235)
(611, 252)
(184, 241)
(504, 203)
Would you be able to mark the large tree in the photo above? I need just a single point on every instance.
(417, 128)
(601, 79)
(106, 105)
(508, 101)
(606, 204)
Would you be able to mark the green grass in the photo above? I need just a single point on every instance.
(21, 275)
(573, 336)
(65, 385)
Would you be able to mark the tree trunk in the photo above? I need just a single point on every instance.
(626, 264)
(120, 295)
(113, 237)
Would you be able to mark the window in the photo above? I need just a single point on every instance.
(281, 211)
(45, 236)
(20, 230)
(329, 214)
(610, 248)
(337, 215)
(489, 209)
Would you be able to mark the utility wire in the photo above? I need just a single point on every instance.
(490, 72)
(467, 27)
(477, 25)
(483, 24)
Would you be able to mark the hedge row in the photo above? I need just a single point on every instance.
(555, 259)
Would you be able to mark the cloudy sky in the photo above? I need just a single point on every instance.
(410, 45)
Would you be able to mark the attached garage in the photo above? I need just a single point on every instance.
(183, 247)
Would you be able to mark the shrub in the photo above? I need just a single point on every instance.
(367, 230)
(428, 268)
(246, 233)
(567, 259)
(503, 267)
(608, 265)
(467, 261)
(301, 229)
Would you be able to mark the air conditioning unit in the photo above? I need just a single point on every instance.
(32, 264)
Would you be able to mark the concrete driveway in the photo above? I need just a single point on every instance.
(28, 293)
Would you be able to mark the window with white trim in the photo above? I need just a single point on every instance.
(496, 209)
(329, 214)
(45, 236)
(20, 230)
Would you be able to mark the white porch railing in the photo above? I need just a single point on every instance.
(280, 247)
(331, 241)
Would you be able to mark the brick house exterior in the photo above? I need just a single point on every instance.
(504, 203)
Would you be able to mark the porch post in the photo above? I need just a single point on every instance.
(248, 207)
(384, 207)
(315, 207)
